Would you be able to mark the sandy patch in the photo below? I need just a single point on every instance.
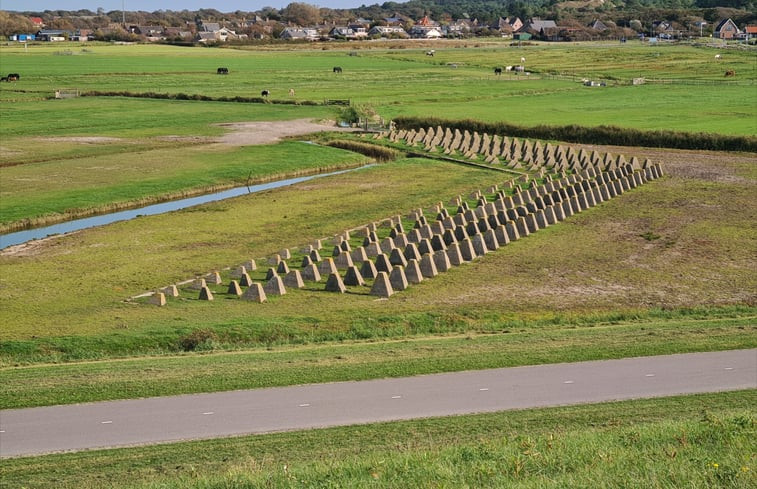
(81, 139)
(249, 133)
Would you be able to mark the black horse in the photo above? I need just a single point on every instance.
(265, 93)
(337, 69)
(497, 71)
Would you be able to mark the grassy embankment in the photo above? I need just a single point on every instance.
(550, 287)
(699, 441)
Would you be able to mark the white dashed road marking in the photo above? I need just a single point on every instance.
(396, 397)
(209, 412)
(106, 422)
(568, 382)
(484, 389)
(649, 375)
(304, 405)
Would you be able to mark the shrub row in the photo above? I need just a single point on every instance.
(609, 135)
(197, 96)
(379, 153)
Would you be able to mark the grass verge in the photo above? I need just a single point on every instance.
(498, 344)
(698, 441)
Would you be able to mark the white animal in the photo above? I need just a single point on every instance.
(508, 68)
(522, 60)
(717, 56)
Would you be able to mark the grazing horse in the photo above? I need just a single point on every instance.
(717, 56)
(13, 77)
(508, 68)
(497, 71)
(222, 71)
(337, 69)
(430, 52)
(727, 73)
(265, 93)
(291, 92)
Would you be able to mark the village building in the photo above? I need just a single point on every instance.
(726, 29)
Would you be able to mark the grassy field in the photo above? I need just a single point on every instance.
(655, 254)
(700, 441)
(665, 268)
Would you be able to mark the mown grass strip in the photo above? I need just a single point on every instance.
(504, 346)
(702, 441)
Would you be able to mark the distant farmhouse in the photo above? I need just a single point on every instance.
(726, 29)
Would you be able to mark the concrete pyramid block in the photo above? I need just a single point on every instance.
(441, 261)
(373, 249)
(381, 286)
(234, 288)
(397, 258)
(274, 260)
(383, 264)
(368, 270)
(255, 293)
(353, 276)
(285, 254)
(311, 273)
(198, 284)
(428, 266)
(466, 250)
(245, 280)
(157, 299)
(522, 227)
(270, 273)
(205, 294)
(335, 284)
(424, 247)
(170, 291)
(306, 260)
(213, 278)
(413, 272)
(437, 242)
(275, 286)
(387, 245)
(237, 272)
(315, 256)
(454, 254)
(398, 279)
(479, 246)
(282, 268)
(449, 237)
(293, 280)
(401, 240)
(327, 266)
(411, 252)
(500, 232)
(359, 255)
(343, 261)
(491, 242)
(250, 265)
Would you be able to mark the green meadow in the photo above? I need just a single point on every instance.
(665, 268)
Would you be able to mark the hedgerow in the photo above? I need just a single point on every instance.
(609, 135)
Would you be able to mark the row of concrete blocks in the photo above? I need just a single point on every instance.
(524, 212)
(494, 148)
(413, 263)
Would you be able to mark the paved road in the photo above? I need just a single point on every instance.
(163, 419)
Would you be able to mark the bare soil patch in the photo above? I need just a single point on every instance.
(249, 133)
(82, 139)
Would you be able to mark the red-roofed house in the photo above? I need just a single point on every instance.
(37, 21)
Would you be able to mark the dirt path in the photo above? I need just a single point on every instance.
(249, 133)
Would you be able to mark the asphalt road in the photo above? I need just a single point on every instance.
(163, 419)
